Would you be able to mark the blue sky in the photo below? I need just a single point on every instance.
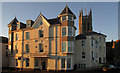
(105, 14)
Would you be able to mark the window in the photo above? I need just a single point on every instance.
(16, 62)
(69, 18)
(16, 37)
(83, 42)
(18, 26)
(27, 35)
(92, 55)
(68, 62)
(100, 49)
(70, 46)
(100, 60)
(96, 44)
(64, 31)
(40, 33)
(27, 62)
(82, 66)
(6, 46)
(83, 55)
(36, 63)
(99, 39)
(92, 42)
(27, 48)
(63, 63)
(63, 18)
(16, 48)
(28, 25)
(40, 47)
(69, 31)
(41, 23)
(6, 54)
(63, 46)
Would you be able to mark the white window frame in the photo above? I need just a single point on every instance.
(73, 31)
(66, 63)
(67, 51)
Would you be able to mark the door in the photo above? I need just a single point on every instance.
(43, 65)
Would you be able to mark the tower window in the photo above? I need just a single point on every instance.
(63, 18)
(70, 18)
(64, 31)
(63, 46)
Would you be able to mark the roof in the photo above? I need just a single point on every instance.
(67, 10)
(94, 33)
(54, 21)
(83, 36)
(3, 39)
(14, 21)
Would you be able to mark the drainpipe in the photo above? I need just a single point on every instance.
(22, 48)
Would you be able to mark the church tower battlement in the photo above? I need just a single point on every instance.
(85, 22)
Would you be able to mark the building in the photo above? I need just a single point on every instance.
(4, 49)
(51, 43)
(116, 49)
(109, 52)
(90, 46)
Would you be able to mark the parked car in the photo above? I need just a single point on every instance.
(108, 68)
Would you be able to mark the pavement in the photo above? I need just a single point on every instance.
(87, 71)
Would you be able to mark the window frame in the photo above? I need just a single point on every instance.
(27, 35)
(41, 48)
(41, 34)
(27, 62)
(27, 48)
(83, 55)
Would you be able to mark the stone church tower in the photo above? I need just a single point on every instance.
(85, 22)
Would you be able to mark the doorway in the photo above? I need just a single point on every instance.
(43, 65)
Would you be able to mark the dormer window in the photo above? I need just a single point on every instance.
(18, 26)
(28, 25)
(63, 18)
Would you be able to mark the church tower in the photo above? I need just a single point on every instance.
(85, 22)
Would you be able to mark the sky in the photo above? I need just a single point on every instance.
(105, 14)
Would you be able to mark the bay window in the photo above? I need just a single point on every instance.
(64, 31)
(67, 46)
(68, 31)
(68, 62)
(63, 46)
(63, 63)
(70, 18)
(63, 18)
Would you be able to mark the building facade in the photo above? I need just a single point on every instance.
(4, 51)
(49, 44)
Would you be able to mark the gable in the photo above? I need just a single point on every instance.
(40, 21)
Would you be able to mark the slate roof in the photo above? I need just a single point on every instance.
(54, 21)
(67, 10)
(83, 36)
(14, 21)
